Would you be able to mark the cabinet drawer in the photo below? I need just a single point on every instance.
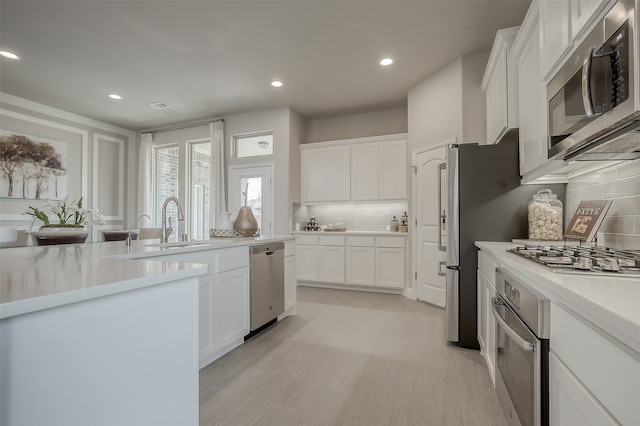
(390, 242)
(360, 241)
(232, 258)
(487, 265)
(331, 241)
(307, 240)
(607, 368)
(289, 247)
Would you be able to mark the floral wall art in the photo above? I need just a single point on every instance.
(32, 167)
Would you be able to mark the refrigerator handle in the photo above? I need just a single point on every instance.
(443, 214)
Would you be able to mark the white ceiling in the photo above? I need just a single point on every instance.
(216, 58)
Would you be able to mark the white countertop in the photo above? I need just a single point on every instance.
(373, 233)
(42, 277)
(610, 303)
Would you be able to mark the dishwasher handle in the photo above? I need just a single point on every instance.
(270, 252)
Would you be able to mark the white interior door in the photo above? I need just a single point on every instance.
(430, 201)
(252, 186)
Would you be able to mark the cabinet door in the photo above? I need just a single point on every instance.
(582, 12)
(290, 282)
(390, 267)
(393, 170)
(486, 323)
(338, 173)
(231, 306)
(307, 263)
(206, 320)
(313, 174)
(331, 266)
(555, 32)
(570, 403)
(497, 108)
(361, 266)
(533, 118)
(365, 172)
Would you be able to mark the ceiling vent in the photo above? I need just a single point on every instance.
(159, 105)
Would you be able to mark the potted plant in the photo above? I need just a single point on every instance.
(71, 225)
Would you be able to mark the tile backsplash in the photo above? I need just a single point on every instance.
(355, 217)
(621, 183)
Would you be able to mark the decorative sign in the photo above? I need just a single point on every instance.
(32, 168)
(587, 220)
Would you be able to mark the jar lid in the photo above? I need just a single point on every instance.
(545, 195)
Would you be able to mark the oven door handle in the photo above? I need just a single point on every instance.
(523, 343)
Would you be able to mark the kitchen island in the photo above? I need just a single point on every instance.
(594, 344)
(103, 333)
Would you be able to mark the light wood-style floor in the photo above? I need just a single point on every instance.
(350, 358)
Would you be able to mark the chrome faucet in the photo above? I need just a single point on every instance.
(164, 236)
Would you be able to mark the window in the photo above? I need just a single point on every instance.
(253, 145)
(199, 186)
(166, 162)
(183, 170)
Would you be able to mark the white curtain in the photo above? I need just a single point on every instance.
(218, 199)
(145, 197)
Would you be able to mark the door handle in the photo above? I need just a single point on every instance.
(443, 217)
(520, 341)
(442, 273)
(269, 253)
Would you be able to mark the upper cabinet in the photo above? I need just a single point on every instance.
(562, 24)
(500, 83)
(378, 171)
(365, 169)
(324, 172)
(532, 117)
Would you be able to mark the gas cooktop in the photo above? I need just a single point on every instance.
(582, 259)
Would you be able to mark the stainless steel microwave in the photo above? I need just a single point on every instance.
(593, 101)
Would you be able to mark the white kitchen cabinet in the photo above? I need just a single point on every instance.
(604, 368)
(570, 403)
(324, 172)
(563, 23)
(531, 93)
(224, 299)
(360, 261)
(500, 83)
(366, 261)
(331, 259)
(486, 321)
(307, 258)
(320, 258)
(378, 171)
(290, 281)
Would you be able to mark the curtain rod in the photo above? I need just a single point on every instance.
(183, 126)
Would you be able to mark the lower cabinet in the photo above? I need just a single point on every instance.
(570, 402)
(593, 378)
(376, 262)
(368, 261)
(486, 321)
(290, 282)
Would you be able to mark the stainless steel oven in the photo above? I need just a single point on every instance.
(522, 352)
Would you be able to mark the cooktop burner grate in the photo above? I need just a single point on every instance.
(582, 259)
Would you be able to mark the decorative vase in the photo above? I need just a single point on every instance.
(52, 235)
(246, 223)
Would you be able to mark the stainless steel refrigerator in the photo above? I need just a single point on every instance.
(485, 203)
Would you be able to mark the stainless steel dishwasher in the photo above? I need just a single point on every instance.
(267, 283)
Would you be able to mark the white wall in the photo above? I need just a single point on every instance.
(375, 123)
(82, 136)
(287, 126)
(474, 116)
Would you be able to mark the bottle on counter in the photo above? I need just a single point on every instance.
(394, 225)
(545, 216)
(404, 219)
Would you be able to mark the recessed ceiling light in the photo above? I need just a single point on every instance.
(9, 55)
(276, 83)
(116, 97)
(386, 62)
